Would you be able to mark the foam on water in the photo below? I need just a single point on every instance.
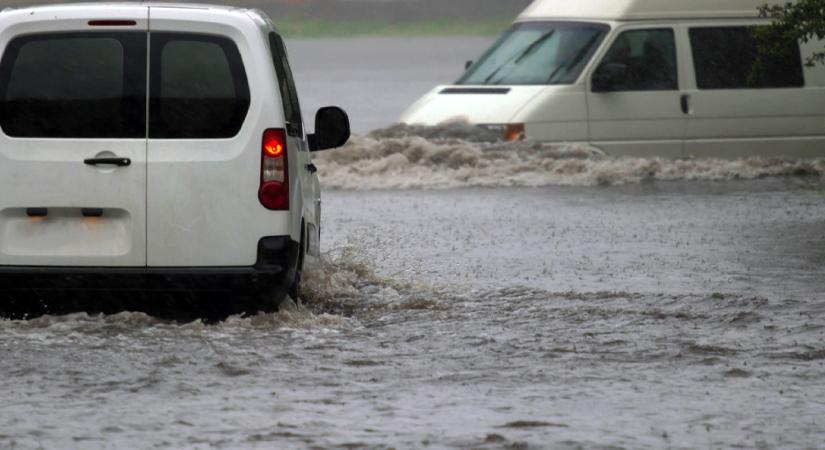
(460, 155)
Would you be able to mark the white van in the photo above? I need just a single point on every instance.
(155, 146)
(668, 78)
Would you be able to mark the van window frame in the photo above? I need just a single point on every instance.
(286, 86)
(730, 26)
(619, 32)
(134, 82)
(240, 80)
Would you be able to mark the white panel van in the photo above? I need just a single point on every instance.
(666, 78)
(154, 146)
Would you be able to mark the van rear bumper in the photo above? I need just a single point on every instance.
(275, 268)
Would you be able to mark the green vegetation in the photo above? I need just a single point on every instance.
(802, 20)
(311, 28)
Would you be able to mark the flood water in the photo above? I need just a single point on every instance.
(471, 298)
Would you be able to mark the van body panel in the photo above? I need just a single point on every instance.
(482, 108)
(203, 207)
(557, 114)
(305, 188)
(788, 117)
(54, 209)
(635, 116)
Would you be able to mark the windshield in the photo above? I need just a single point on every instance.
(538, 53)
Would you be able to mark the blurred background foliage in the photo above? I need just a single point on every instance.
(802, 20)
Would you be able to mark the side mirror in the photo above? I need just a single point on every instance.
(607, 76)
(468, 64)
(331, 129)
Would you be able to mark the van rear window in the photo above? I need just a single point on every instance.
(198, 87)
(729, 58)
(74, 85)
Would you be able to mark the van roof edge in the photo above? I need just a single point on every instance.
(627, 10)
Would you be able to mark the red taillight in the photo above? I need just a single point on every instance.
(112, 23)
(274, 190)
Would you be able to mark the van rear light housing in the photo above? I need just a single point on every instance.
(273, 192)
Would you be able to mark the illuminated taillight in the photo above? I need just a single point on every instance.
(274, 190)
(514, 132)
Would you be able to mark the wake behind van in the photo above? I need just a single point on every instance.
(154, 147)
(664, 78)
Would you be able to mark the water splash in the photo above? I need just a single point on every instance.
(461, 155)
(345, 282)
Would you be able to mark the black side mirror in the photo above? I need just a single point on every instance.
(331, 129)
(607, 76)
(468, 64)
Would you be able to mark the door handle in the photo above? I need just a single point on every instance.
(120, 162)
(685, 101)
(311, 167)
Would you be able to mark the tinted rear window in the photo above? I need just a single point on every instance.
(74, 85)
(727, 57)
(198, 87)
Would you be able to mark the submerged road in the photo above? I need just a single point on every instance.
(655, 314)
(669, 315)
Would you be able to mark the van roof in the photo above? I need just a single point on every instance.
(98, 5)
(641, 9)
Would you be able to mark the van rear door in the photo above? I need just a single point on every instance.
(205, 137)
(73, 141)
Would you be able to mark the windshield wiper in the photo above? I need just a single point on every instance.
(574, 61)
(532, 47)
(525, 53)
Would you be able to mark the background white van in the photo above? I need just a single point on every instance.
(154, 146)
(641, 77)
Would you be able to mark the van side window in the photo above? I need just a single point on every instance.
(74, 85)
(729, 58)
(650, 59)
(286, 85)
(198, 87)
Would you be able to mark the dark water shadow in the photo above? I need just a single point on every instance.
(180, 307)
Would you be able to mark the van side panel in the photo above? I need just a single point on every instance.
(731, 123)
(556, 114)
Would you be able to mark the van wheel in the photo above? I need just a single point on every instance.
(295, 289)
